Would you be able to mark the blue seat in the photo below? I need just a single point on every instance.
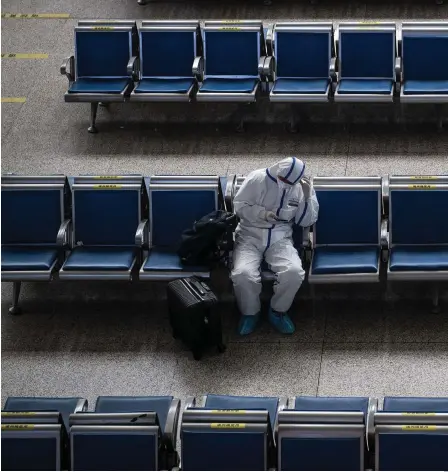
(217, 437)
(332, 404)
(424, 63)
(341, 260)
(305, 76)
(191, 200)
(28, 258)
(160, 405)
(65, 406)
(126, 433)
(231, 57)
(168, 50)
(34, 229)
(98, 72)
(309, 437)
(358, 86)
(346, 236)
(300, 86)
(412, 434)
(228, 402)
(107, 218)
(359, 79)
(418, 252)
(100, 258)
(416, 404)
(231, 85)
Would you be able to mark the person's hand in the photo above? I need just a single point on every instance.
(269, 216)
(306, 187)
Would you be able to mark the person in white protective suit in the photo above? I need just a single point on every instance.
(269, 203)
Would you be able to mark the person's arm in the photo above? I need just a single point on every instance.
(245, 201)
(308, 210)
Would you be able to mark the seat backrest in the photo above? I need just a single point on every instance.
(303, 50)
(115, 441)
(417, 208)
(232, 49)
(103, 51)
(324, 433)
(33, 441)
(168, 48)
(33, 209)
(412, 434)
(234, 439)
(176, 202)
(65, 406)
(107, 209)
(425, 51)
(367, 51)
(350, 211)
(160, 405)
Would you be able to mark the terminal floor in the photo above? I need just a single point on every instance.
(114, 339)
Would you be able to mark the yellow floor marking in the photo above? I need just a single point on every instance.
(13, 99)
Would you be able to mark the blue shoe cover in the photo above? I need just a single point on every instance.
(248, 324)
(281, 322)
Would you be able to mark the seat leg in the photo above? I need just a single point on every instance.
(93, 111)
(104, 104)
(435, 298)
(15, 309)
(142, 2)
(293, 124)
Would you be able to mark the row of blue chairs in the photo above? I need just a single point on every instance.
(220, 432)
(370, 229)
(241, 60)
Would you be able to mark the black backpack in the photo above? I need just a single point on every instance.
(210, 239)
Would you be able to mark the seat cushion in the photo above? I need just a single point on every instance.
(227, 402)
(164, 85)
(332, 404)
(425, 87)
(228, 85)
(160, 405)
(365, 86)
(26, 258)
(415, 405)
(419, 258)
(301, 86)
(167, 259)
(346, 260)
(86, 85)
(100, 258)
(65, 406)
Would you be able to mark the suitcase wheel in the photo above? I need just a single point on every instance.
(221, 348)
(197, 355)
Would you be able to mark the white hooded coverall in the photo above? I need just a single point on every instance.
(256, 239)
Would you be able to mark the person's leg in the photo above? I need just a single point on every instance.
(246, 280)
(285, 262)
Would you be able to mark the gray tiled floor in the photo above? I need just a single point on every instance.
(98, 339)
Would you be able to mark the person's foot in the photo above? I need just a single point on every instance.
(248, 324)
(281, 322)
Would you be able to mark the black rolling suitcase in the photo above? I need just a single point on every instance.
(193, 315)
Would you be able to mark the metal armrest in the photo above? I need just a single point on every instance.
(398, 69)
(198, 68)
(171, 425)
(333, 69)
(384, 235)
(266, 67)
(64, 237)
(70, 63)
(190, 403)
(132, 68)
(141, 235)
(270, 41)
